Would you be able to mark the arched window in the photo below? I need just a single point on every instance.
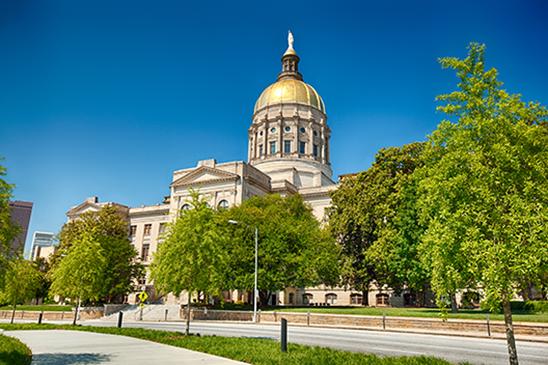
(185, 206)
(331, 298)
(223, 204)
(308, 298)
(382, 299)
(356, 298)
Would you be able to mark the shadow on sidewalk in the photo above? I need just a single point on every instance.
(69, 359)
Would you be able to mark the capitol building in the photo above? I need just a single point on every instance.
(288, 153)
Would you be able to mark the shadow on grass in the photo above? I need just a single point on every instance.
(69, 359)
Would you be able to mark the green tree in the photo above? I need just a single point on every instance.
(22, 282)
(374, 217)
(484, 189)
(293, 250)
(8, 231)
(192, 257)
(81, 273)
(110, 232)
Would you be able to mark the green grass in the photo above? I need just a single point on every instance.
(39, 308)
(518, 316)
(251, 350)
(13, 352)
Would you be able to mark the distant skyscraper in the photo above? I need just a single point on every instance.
(20, 215)
(43, 245)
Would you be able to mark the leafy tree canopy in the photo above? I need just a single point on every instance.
(484, 188)
(293, 250)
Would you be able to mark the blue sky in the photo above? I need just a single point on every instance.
(107, 98)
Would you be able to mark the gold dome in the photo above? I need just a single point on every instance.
(290, 91)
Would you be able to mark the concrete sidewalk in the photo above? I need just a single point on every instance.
(62, 347)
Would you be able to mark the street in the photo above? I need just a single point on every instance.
(452, 348)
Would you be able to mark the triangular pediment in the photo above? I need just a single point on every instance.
(204, 174)
(83, 207)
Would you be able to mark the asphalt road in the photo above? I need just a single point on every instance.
(452, 348)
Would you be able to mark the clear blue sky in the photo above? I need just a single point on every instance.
(107, 98)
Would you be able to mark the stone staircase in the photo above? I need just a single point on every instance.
(151, 312)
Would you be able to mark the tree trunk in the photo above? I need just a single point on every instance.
(454, 308)
(13, 311)
(76, 313)
(187, 331)
(510, 340)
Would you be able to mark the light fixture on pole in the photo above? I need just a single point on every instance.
(255, 290)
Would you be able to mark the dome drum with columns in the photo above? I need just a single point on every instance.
(289, 133)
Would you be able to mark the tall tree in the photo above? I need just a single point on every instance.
(293, 250)
(8, 231)
(484, 189)
(374, 217)
(22, 282)
(108, 229)
(81, 273)
(191, 258)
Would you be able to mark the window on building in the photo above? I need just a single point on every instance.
(272, 147)
(315, 133)
(315, 150)
(382, 299)
(272, 130)
(260, 150)
(148, 229)
(356, 299)
(287, 146)
(302, 147)
(302, 129)
(291, 298)
(331, 298)
(185, 206)
(145, 251)
(308, 298)
(287, 129)
(223, 204)
(132, 231)
(162, 228)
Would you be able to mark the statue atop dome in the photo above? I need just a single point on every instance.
(290, 40)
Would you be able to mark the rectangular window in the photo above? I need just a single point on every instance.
(144, 251)
(148, 228)
(162, 228)
(272, 148)
(315, 150)
(302, 147)
(260, 150)
(132, 231)
(287, 146)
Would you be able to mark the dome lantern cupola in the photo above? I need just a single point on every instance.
(290, 62)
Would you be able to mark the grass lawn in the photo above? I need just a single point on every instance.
(251, 350)
(417, 312)
(39, 308)
(13, 352)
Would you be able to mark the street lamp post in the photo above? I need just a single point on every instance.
(255, 290)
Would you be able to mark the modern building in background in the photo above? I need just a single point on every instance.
(44, 245)
(20, 212)
(288, 153)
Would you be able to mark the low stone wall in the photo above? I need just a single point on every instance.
(374, 322)
(91, 313)
(32, 315)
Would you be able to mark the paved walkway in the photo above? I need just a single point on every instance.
(59, 347)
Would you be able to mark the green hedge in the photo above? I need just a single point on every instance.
(14, 352)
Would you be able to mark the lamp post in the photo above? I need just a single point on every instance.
(255, 290)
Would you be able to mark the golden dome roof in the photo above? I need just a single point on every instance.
(290, 91)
